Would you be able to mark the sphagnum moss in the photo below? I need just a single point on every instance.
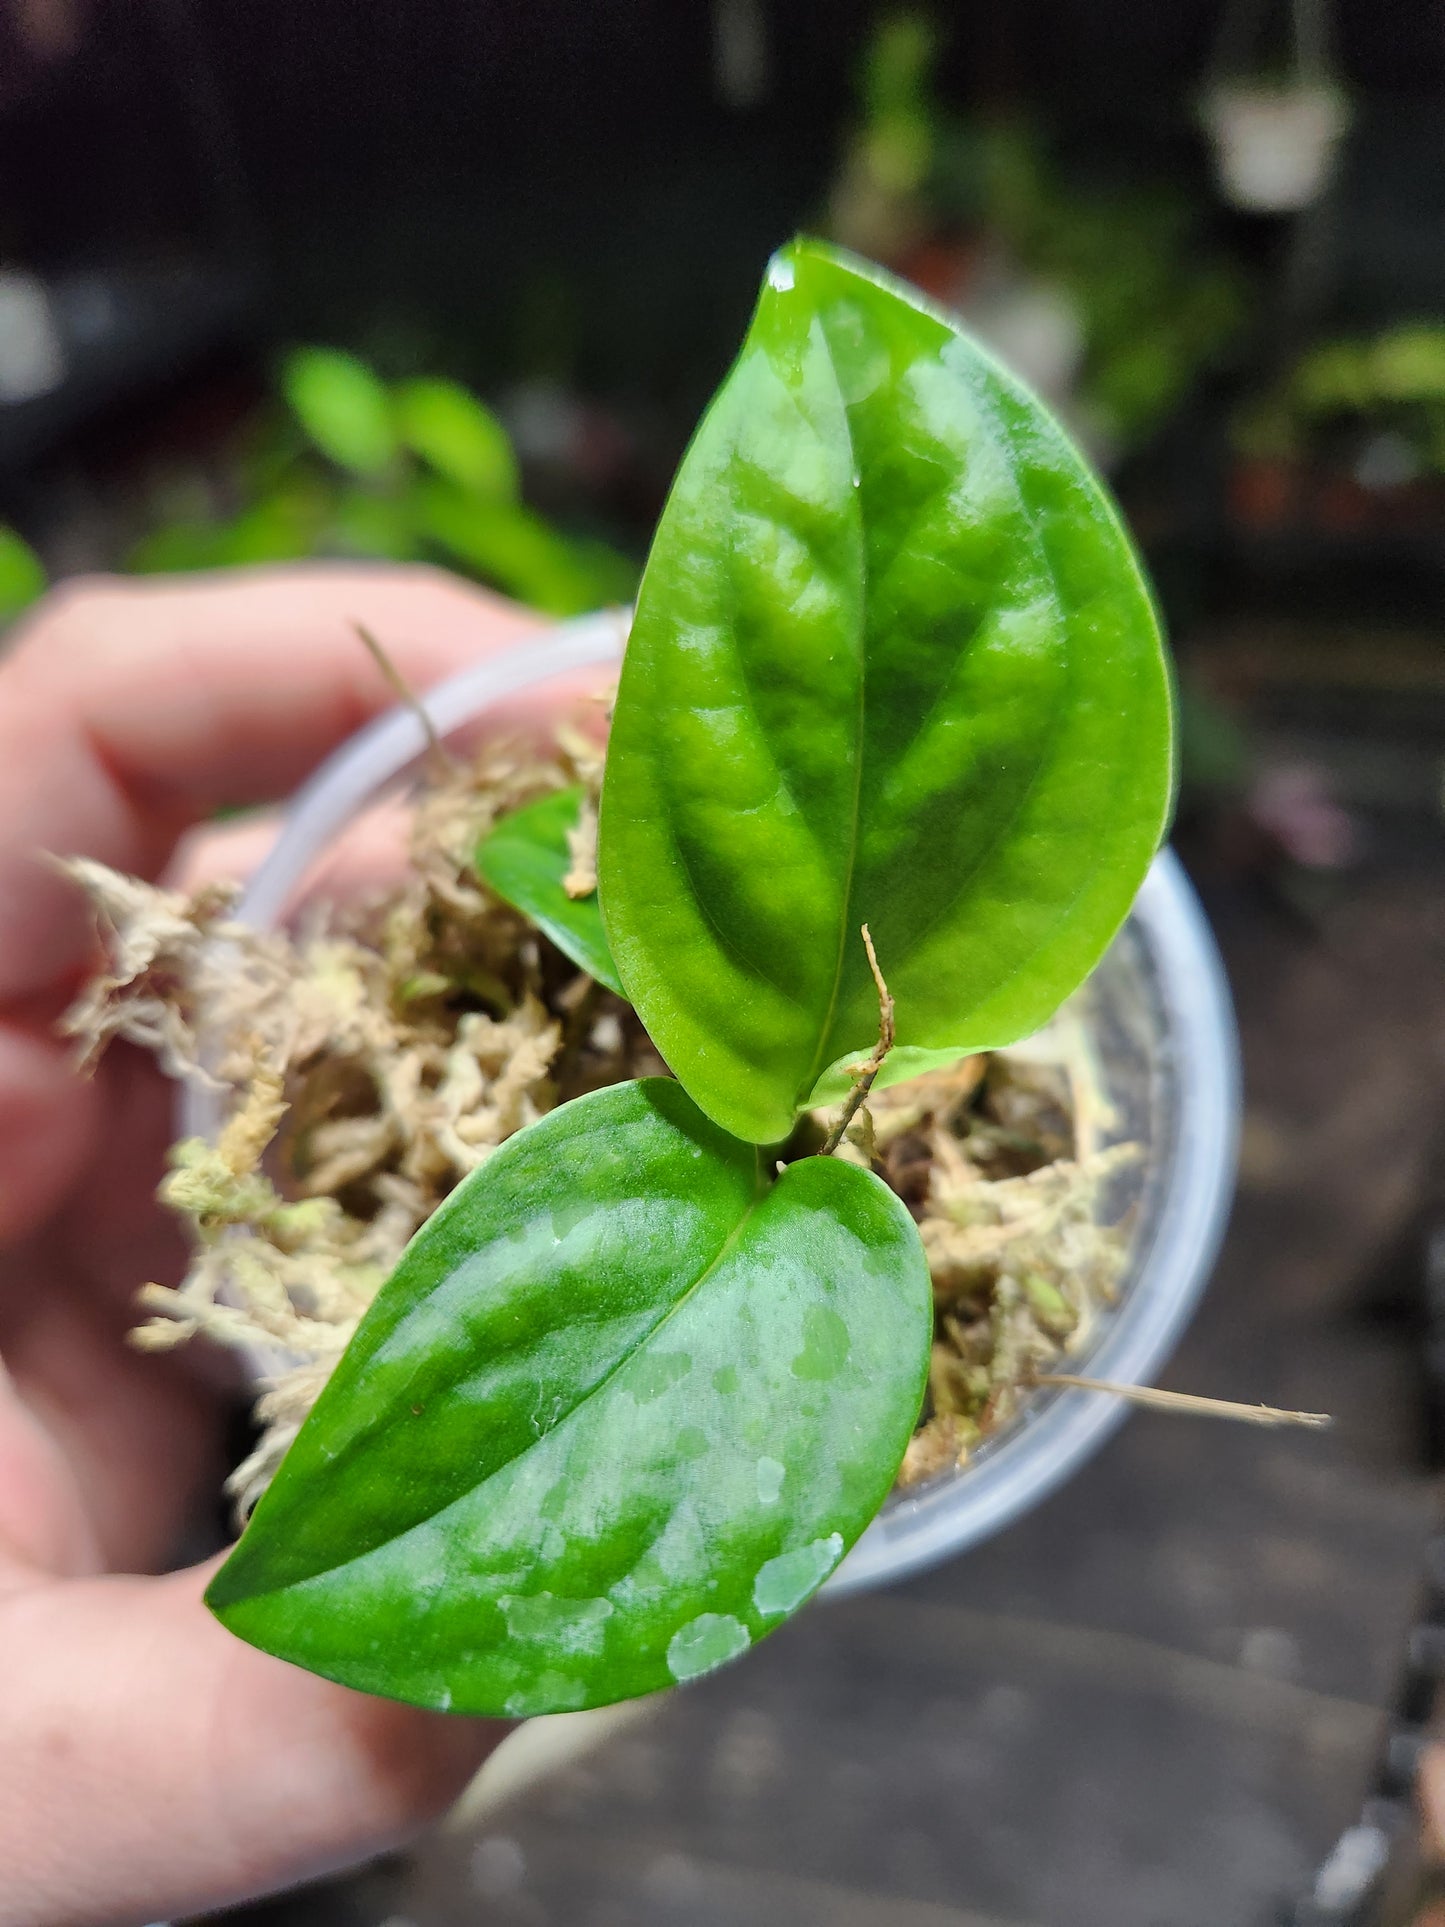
(374, 1057)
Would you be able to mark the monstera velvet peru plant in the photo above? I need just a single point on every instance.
(894, 689)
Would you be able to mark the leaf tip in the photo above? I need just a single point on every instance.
(781, 275)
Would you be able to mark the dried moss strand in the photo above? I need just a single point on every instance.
(436, 748)
(372, 1058)
(1161, 1401)
(863, 1074)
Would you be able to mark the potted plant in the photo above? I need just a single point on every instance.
(890, 758)
(1275, 134)
(1108, 298)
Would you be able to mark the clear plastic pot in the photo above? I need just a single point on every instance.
(1162, 1038)
(1162, 1034)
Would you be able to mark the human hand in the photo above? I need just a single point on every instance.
(150, 1764)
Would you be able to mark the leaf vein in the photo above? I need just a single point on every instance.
(845, 915)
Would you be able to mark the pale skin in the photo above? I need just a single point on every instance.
(150, 1764)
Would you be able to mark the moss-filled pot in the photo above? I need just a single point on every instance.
(1155, 1026)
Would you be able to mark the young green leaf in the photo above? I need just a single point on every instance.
(622, 1407)
(893, 663)
(458, 435)
(343, 407)
(525, 858)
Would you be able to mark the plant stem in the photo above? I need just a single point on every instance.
(575, 1032)
(1150, 1395)
(436, 748)
(864, 1074)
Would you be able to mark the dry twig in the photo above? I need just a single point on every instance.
(863, 1074)
(436, 748)
(1161, 1401)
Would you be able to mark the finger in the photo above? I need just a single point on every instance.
(139, 1437)
(370, 856)
(128, 711)
(221, 852)
(45, 1525)
(155, 1766)
(48, 1118)
(1430, 1790)
(135, 1443)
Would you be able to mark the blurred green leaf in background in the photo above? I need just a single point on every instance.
(1373, 405)
(416, 470)
(459, 437)
(343, 407)
(977, 206)
(22, 575)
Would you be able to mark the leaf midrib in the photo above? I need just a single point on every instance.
(950, 902)
(825, 1029)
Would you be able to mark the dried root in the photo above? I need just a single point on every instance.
(1024, 1240)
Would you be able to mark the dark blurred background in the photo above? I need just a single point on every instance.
(452, 280)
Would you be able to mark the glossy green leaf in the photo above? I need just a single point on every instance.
(343, 407)
(893, 661)
(525, 858)
(458, 435)
(623, 1406)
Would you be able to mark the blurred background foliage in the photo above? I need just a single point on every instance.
(342, 464)
(1109, 294)
(345, 464)
(22, 574)
(1379, 400)
(529, 250)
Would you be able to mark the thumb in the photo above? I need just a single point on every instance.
(156, 1766)
(47, 1119)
